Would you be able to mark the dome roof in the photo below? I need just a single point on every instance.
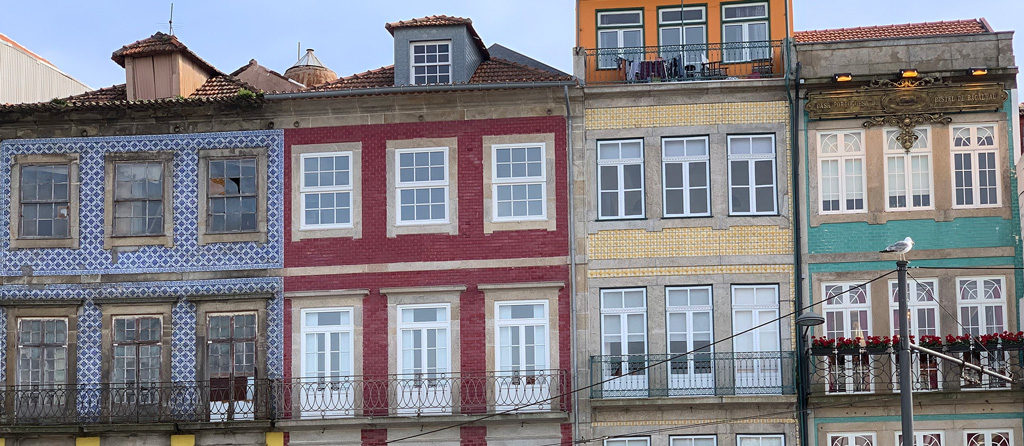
(309, 71)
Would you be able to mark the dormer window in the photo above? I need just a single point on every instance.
(431, 62)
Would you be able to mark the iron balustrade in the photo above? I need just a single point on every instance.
(696, 374)
(242, 399)
(877, 371)
(680, 63)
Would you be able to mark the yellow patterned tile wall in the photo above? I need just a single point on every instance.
(688, 270)
(686, 114)
(685, 242)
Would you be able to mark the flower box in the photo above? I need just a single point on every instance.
(822, 351)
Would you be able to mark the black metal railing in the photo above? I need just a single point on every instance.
(679, 63)
(877, 371)
(241, 399)
(697, 374)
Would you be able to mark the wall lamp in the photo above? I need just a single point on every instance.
(977, 71)
(908, 73)
(842, 77)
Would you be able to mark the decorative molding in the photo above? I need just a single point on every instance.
(906, 124)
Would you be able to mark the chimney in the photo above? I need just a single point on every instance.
(162, 67)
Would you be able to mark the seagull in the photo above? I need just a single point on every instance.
(902, 247)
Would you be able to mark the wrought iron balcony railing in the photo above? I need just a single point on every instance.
(680, 63)
(243, 398)
(877, 371)
(697, 374)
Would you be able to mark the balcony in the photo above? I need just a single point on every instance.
(246, 399)
(698, 374)
(877, 371)
(682, 63)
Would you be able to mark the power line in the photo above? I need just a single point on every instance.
(723, 421)
(950, 314)
(650, 365)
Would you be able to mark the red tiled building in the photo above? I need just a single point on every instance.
(426, 245)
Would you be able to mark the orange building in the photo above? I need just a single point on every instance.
(712, 39)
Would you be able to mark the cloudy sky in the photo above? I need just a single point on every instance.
(79, 35)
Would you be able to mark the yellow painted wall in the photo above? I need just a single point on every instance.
(586, 18)
(87, 441)
(183, 440)
(275, 438)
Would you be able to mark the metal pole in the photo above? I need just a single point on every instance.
(906, 391)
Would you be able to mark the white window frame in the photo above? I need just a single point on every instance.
(892, 149)
(413, 64)
(846, 309)
(988, 435)
(620, 40)
(446, 325)
(920, 436)
(68, 370)
(689, 310)
(526, 180)
(981, 302)
(400, 186)
(303, 190)
(842, 157)
(852, 437)
(741, 437)
(972, 152)
(543, 322)
(685, 161)
(751, 160)
(623, 311)
(913, 304)
(620, 164)
(114, 343)
(672, 439)
(627, 441)
(744, 24)
(736, 308)
(304, 330)
(680, 28)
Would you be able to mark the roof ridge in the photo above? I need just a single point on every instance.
(938, 22)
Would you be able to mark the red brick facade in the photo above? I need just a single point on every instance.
(471, 243)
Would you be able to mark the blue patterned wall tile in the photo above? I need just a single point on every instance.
(3, 346)
(183, 341)
(186, 254)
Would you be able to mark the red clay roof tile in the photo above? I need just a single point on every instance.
(159, 43)
(970, 26)
(493, 71)
(441, 20)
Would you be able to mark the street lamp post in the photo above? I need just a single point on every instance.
(805, 321)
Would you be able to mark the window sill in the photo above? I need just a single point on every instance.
(34, 243)
(600, 219)
(166, 240)
(233, 237)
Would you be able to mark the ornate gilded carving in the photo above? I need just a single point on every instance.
(906, 124)
(903, 83)
(906, 96)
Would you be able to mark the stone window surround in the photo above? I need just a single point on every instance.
(526, 293)
(112, 311)
(719, 205)
(260, 234)
(721, 298)
(356, 231)
(908, 168)
(549, 222)
(881, 312)
(72, 241)
(69, 311)
(428, 295)
(226, 306)
(312, 300)
(971, 150)
(452, 227)
(841, 156)
(942, 189)
(110, 160)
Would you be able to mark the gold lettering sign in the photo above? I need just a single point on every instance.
(890, 99)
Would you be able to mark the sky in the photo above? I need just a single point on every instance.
(78, 36)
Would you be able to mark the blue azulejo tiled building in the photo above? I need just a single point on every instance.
(137, 277)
